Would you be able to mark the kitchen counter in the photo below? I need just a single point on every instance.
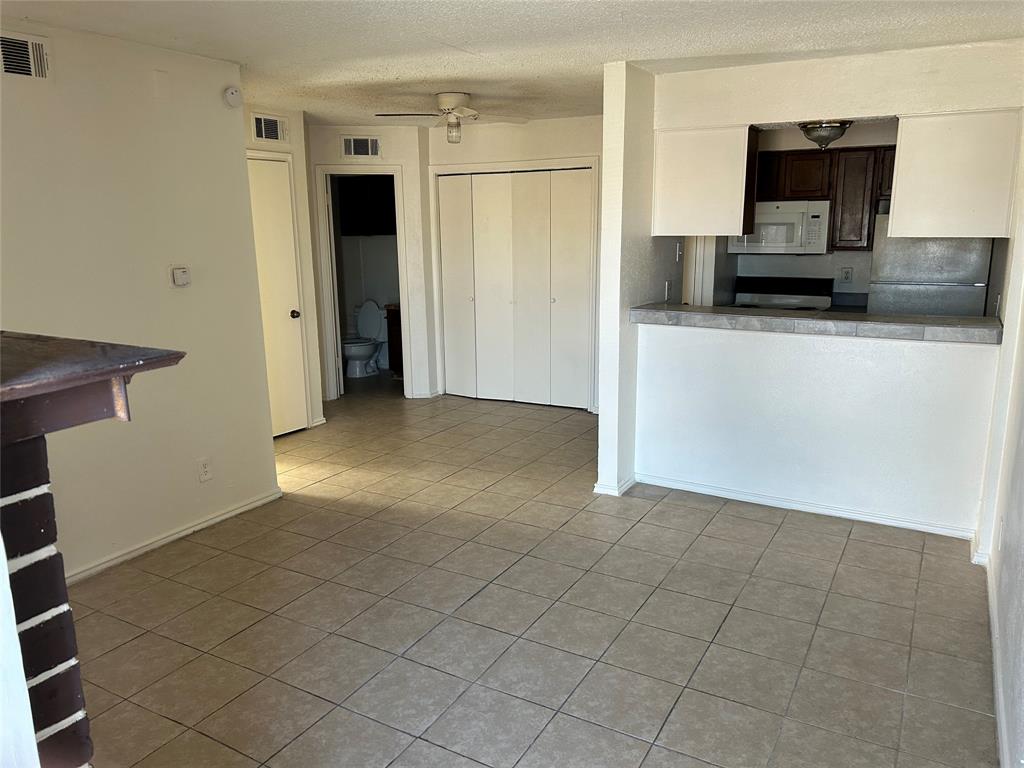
(971, 330)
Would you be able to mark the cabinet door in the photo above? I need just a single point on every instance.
(805, 175)
(492, 263)
(572, 259)
(701, 181)
(955, 174)
(887, 164)
(531, 268)
(852, 211)
(455, 219)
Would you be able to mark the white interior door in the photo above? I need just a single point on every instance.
(455, 215)
(492, 265)
(531, 265)
(572, 258)
(270, 190)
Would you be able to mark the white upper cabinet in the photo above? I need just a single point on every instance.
(955, 174)
(704, 181)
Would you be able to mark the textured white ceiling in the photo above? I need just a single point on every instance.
(343, 61)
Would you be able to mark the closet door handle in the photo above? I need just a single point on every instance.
(470, 298)
(553, 299)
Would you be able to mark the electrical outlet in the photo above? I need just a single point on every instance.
(846, 274)
(205, 470)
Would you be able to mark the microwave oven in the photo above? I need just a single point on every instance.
(797, 226)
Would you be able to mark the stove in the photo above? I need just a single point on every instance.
(810, 294)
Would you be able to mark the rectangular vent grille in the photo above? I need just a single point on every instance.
(24, 56)
(267, 128)
(360, 146)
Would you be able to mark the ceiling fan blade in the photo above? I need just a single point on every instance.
(466, 113)
(406, 114)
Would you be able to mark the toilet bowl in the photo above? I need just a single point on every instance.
(360, 352)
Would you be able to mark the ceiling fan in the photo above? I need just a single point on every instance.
(452, 107)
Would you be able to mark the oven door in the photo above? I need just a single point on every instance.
(774, 232)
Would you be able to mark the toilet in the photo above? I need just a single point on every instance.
(360, 352)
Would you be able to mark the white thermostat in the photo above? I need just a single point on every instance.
(180, 277)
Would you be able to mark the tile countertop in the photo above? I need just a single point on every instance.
(971, 330)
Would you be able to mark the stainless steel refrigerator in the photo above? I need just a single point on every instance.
(928, 275)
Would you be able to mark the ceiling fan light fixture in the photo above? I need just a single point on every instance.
(453, 129)
(824, 132)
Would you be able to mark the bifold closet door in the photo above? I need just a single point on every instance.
(455, 218)
(492, 266)
(531, 269)
(572, 257)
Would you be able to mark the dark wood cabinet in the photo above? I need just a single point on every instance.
(853, 199)
(886, 168)
(805, 175)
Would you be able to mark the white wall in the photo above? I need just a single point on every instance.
(405, 147)
(633, 268)
(126, 162)
(295, 147)
(880, 429)
(923, 80)
(510, 142)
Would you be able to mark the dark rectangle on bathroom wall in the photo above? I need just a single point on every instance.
(28, 525)
(56, 698)
(23, 466)
(48, 644)
(70, 747)
(39, 587)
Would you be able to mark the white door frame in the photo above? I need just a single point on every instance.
(553, 164)
(330, 322)
(286, 158)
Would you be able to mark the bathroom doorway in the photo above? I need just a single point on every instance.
(366, 272)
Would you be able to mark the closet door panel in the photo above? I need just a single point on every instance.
(572, 254)
(455, 215)
(492, 262)
(531, 269)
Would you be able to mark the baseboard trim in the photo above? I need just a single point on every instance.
(185, 530)
(807, 506)
(317, 422)
(1000, 694)
(615, 490)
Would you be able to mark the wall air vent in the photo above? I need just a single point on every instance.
(360, 146)
(269, 128)
(24, 55)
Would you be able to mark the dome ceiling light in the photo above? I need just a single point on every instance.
(824, 132)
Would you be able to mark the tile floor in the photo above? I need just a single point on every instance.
(440, 587)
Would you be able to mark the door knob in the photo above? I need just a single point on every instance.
(553, 299)
(295, 313)
(470, 298)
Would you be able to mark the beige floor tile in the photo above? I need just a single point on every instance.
(127, 733)
(157, 604)
(634, 565)
(878, 557)
(569, 739)
(211, 623)
(694, 729)
(489, 726)
(542, 515)
(274, 546)
(194, 750)
(370, 535)
(328, 606)
(753, 511)
(320, 523)
(952, 602)
(796, 569)
(944, 570)
(504, 609)
(878, 586)
(955, 737)
(432, 471)
(859, 658)
(537, 673)
(98, 700)
(343, 738)
(695, 500)
(685, 614)
(515, 537)
(439, 590)
(721, 553)
(272, 589)
(391, 625)
(778, 598)
(607, 528)
(577, 630)
(746, 678)
(196, 690)
(98, 633)
(951, 636)
(334, 668)
(407, 696)
(845, 706)
(656, 653)
(653, 538)
(489, 504)
(478, 560)
(951, 680)
(173, 558)
(540, 577)
(760, 633)
(888, 535)
(264, 719)
(945, 546)
(111, 585)
(318, 494)
(809, 521)
(379, 574)
(408, 513)
(803, 745)
(799, 541)
(458, 525)
(421, 547)
(220, 573)
(278, 512)
(733, 528)
(720, 584)
(851, 614)
(620, 506)
(268, 644)
(608, 594)
(131, 667)
(622, 700)
(460, 648)
(229, 533)
(362, 503)
(678, 518)
(569, 549)
(324, 560)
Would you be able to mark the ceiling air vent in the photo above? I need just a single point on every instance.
(360, 146)
(24, 55)
(269, 128)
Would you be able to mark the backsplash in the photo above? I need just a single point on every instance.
(825, 265)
